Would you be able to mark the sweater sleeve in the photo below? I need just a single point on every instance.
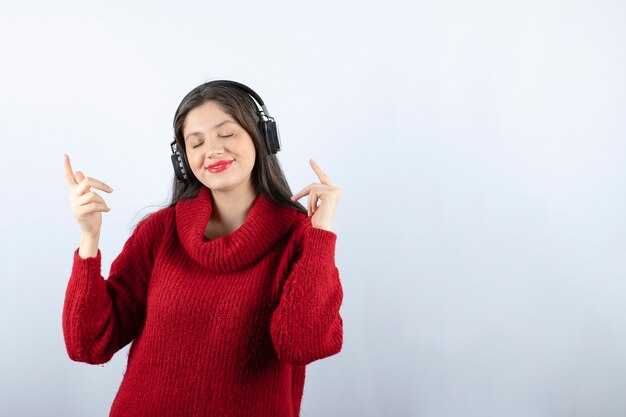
(102, 316)
(306, 325)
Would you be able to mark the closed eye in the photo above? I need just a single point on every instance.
(218, 136)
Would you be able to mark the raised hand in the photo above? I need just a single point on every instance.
(87, 205)
(326, 193)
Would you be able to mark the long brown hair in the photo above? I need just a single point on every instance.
(267, 175)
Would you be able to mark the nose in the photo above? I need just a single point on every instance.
(213, 154)
(213, 148)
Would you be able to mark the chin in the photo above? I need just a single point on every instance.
(222, 184)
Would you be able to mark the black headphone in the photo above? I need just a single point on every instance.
(267, 126)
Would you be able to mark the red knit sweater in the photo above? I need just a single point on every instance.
(218, 327)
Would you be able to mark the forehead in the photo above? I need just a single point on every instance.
(206, 117)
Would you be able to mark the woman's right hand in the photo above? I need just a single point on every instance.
(87, 205)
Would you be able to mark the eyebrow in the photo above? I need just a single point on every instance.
(214, 127)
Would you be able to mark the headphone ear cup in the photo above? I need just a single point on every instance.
(271, 135)
(179, 162)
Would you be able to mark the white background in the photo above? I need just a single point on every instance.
(480, 147)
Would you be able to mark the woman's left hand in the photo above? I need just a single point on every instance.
(328, 196)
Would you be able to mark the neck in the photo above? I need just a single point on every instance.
(230, 209)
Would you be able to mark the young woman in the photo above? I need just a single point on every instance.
(227, 293)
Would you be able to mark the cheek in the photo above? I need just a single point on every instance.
(194, 158)
(251, 152)
(250, 159)
(192, 155)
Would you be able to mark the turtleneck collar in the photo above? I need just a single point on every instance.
(265, 224)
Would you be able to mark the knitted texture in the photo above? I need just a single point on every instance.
(220, 327)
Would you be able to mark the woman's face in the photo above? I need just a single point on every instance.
(212, 135)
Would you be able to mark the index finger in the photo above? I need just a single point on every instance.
(69, 174)
(322, 176)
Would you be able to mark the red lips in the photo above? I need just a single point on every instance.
(222, 162)
(219, 166)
